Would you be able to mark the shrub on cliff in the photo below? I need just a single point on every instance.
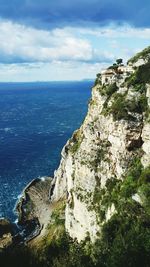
(108, 90)
(140, 77)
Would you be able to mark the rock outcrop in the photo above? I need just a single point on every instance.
(6, 233)
(34, 208)
(115, 131)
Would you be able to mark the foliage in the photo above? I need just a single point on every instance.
(119, 192)
(118, 107)
(101, 155)
(140, 77)
(124, 239)
(108, 90)
(145, 54)
(76, 141)
(126, 236)
(98, 79)
(58, 216)
(125, 242)
(113, 67)
(121, 108)
(119, 61)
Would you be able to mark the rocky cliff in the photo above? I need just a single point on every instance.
(96, 209)
(96, 161)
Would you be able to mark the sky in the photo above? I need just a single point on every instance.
(47, 40)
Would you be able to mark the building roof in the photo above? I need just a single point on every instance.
(108, 72)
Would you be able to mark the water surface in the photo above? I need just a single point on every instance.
(36, 120)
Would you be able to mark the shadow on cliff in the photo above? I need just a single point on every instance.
(18, 257)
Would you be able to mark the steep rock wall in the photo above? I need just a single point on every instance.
(102, 149)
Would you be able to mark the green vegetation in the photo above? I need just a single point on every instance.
(101, 155)
(145, 54)
(120, 192)
(124, 240)
(71, 202)
(138, 81)
(140, 77)
(126, 236)
(119, 61)
(58, 216)
(92, 102)
(76, 141)
(115, 65)
(121, 108)
(118, 107)
(98, 79)
(108, 90)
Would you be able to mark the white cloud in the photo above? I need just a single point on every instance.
(28, 54)
(113, 31)
(22, 43)
(59, 70)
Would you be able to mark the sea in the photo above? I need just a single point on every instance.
(36, 120)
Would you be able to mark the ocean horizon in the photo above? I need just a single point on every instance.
(36, 120)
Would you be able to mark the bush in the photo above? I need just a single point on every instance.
(145, 54)
(145, 176)
(98, 79)
(137, 106)
(108, 90)
(122, 107)
(129, 187)
(111, 89)
(118, 108)
(126, 242)
(140, 77)
(76, 141)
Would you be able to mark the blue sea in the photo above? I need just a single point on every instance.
(36, 120)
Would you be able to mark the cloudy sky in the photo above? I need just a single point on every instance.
(43, 40)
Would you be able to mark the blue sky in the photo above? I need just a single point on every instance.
(42, 40)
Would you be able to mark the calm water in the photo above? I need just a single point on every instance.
(36, 119)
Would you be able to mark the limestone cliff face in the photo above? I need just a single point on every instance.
(146, 135)
(101, 150)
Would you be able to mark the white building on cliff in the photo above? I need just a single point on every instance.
(110, 75)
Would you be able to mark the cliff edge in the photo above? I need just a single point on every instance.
(99, 199)
(97, 175)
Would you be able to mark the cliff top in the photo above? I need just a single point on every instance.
(143, 56)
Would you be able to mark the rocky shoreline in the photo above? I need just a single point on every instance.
(33, 210)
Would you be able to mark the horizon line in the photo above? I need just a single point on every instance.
(81, 80)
